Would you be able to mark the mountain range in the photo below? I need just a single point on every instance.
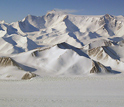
(59, 44)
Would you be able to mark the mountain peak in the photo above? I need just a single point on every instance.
(28, 17)
(108, 16)
(2, 21)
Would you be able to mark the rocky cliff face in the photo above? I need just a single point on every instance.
(7, 61)
(97, 67)
(28, 75)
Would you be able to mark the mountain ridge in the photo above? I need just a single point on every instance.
(59, 44)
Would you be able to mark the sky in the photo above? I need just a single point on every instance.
(15, 10)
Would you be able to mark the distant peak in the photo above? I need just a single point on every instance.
(29, 17)
(2, 21)
(108, 16)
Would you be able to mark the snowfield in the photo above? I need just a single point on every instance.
(62, 60)
(92, 91)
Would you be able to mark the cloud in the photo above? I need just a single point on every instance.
(67, 10)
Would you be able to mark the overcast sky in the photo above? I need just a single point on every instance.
(15, 10)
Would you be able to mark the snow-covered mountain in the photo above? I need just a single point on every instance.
(63, 44)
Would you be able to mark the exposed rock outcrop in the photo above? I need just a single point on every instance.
(98, 68)
(7, 61)
(103, 52)
(28, 75)
(94, 51)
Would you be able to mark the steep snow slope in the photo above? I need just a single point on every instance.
(15, 44)
(98, 43)
(118, 51)
(30, 24)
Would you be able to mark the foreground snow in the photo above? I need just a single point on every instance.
(90, 91)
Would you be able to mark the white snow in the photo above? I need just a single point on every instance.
(11, 73)
(93, 91)
(58, 51)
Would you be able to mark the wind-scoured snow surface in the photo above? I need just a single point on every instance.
(62, 60)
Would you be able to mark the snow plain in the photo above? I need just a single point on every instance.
(92, 91)
(62, 60)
